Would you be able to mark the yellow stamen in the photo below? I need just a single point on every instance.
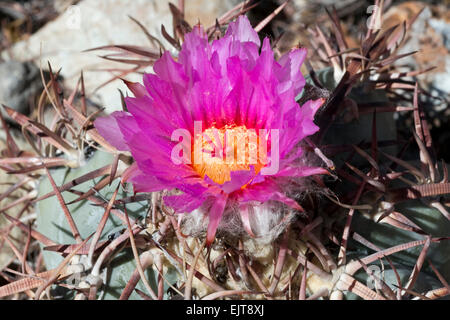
(231, 148)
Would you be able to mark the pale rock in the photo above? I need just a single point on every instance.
(88, 25)
(205, 11)
(443, 27)
(428, 36)
(441, 82)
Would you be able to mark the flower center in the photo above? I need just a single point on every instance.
(218, 152)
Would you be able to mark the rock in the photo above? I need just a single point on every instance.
(93, 23)
(405, 12)
(20, 82)
(442, 27)
(87, 25)
(429, 36)
(206, 11)
(62, 5)
(441, 81)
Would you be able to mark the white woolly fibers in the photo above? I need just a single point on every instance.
(267, 221)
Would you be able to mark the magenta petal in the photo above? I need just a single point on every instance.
(145, 183)
(170, 70)
(242, 31)
(238, 179)
(215, 215)
(287, 201)
(130, 172)
(266, 62)
(301, 171)
(244, 212)
(115, 128)
(231, 81)
(141, 181)
(309, 110)
(146, 118)
(267, 191)
(298, 123)
(136, 88)
(238, 42)
(290, 71)
(184, 203)
(167, 101)
(195, 54)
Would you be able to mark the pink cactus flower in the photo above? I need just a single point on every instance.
(230, 85)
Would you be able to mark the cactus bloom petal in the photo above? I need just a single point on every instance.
(233, 84)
